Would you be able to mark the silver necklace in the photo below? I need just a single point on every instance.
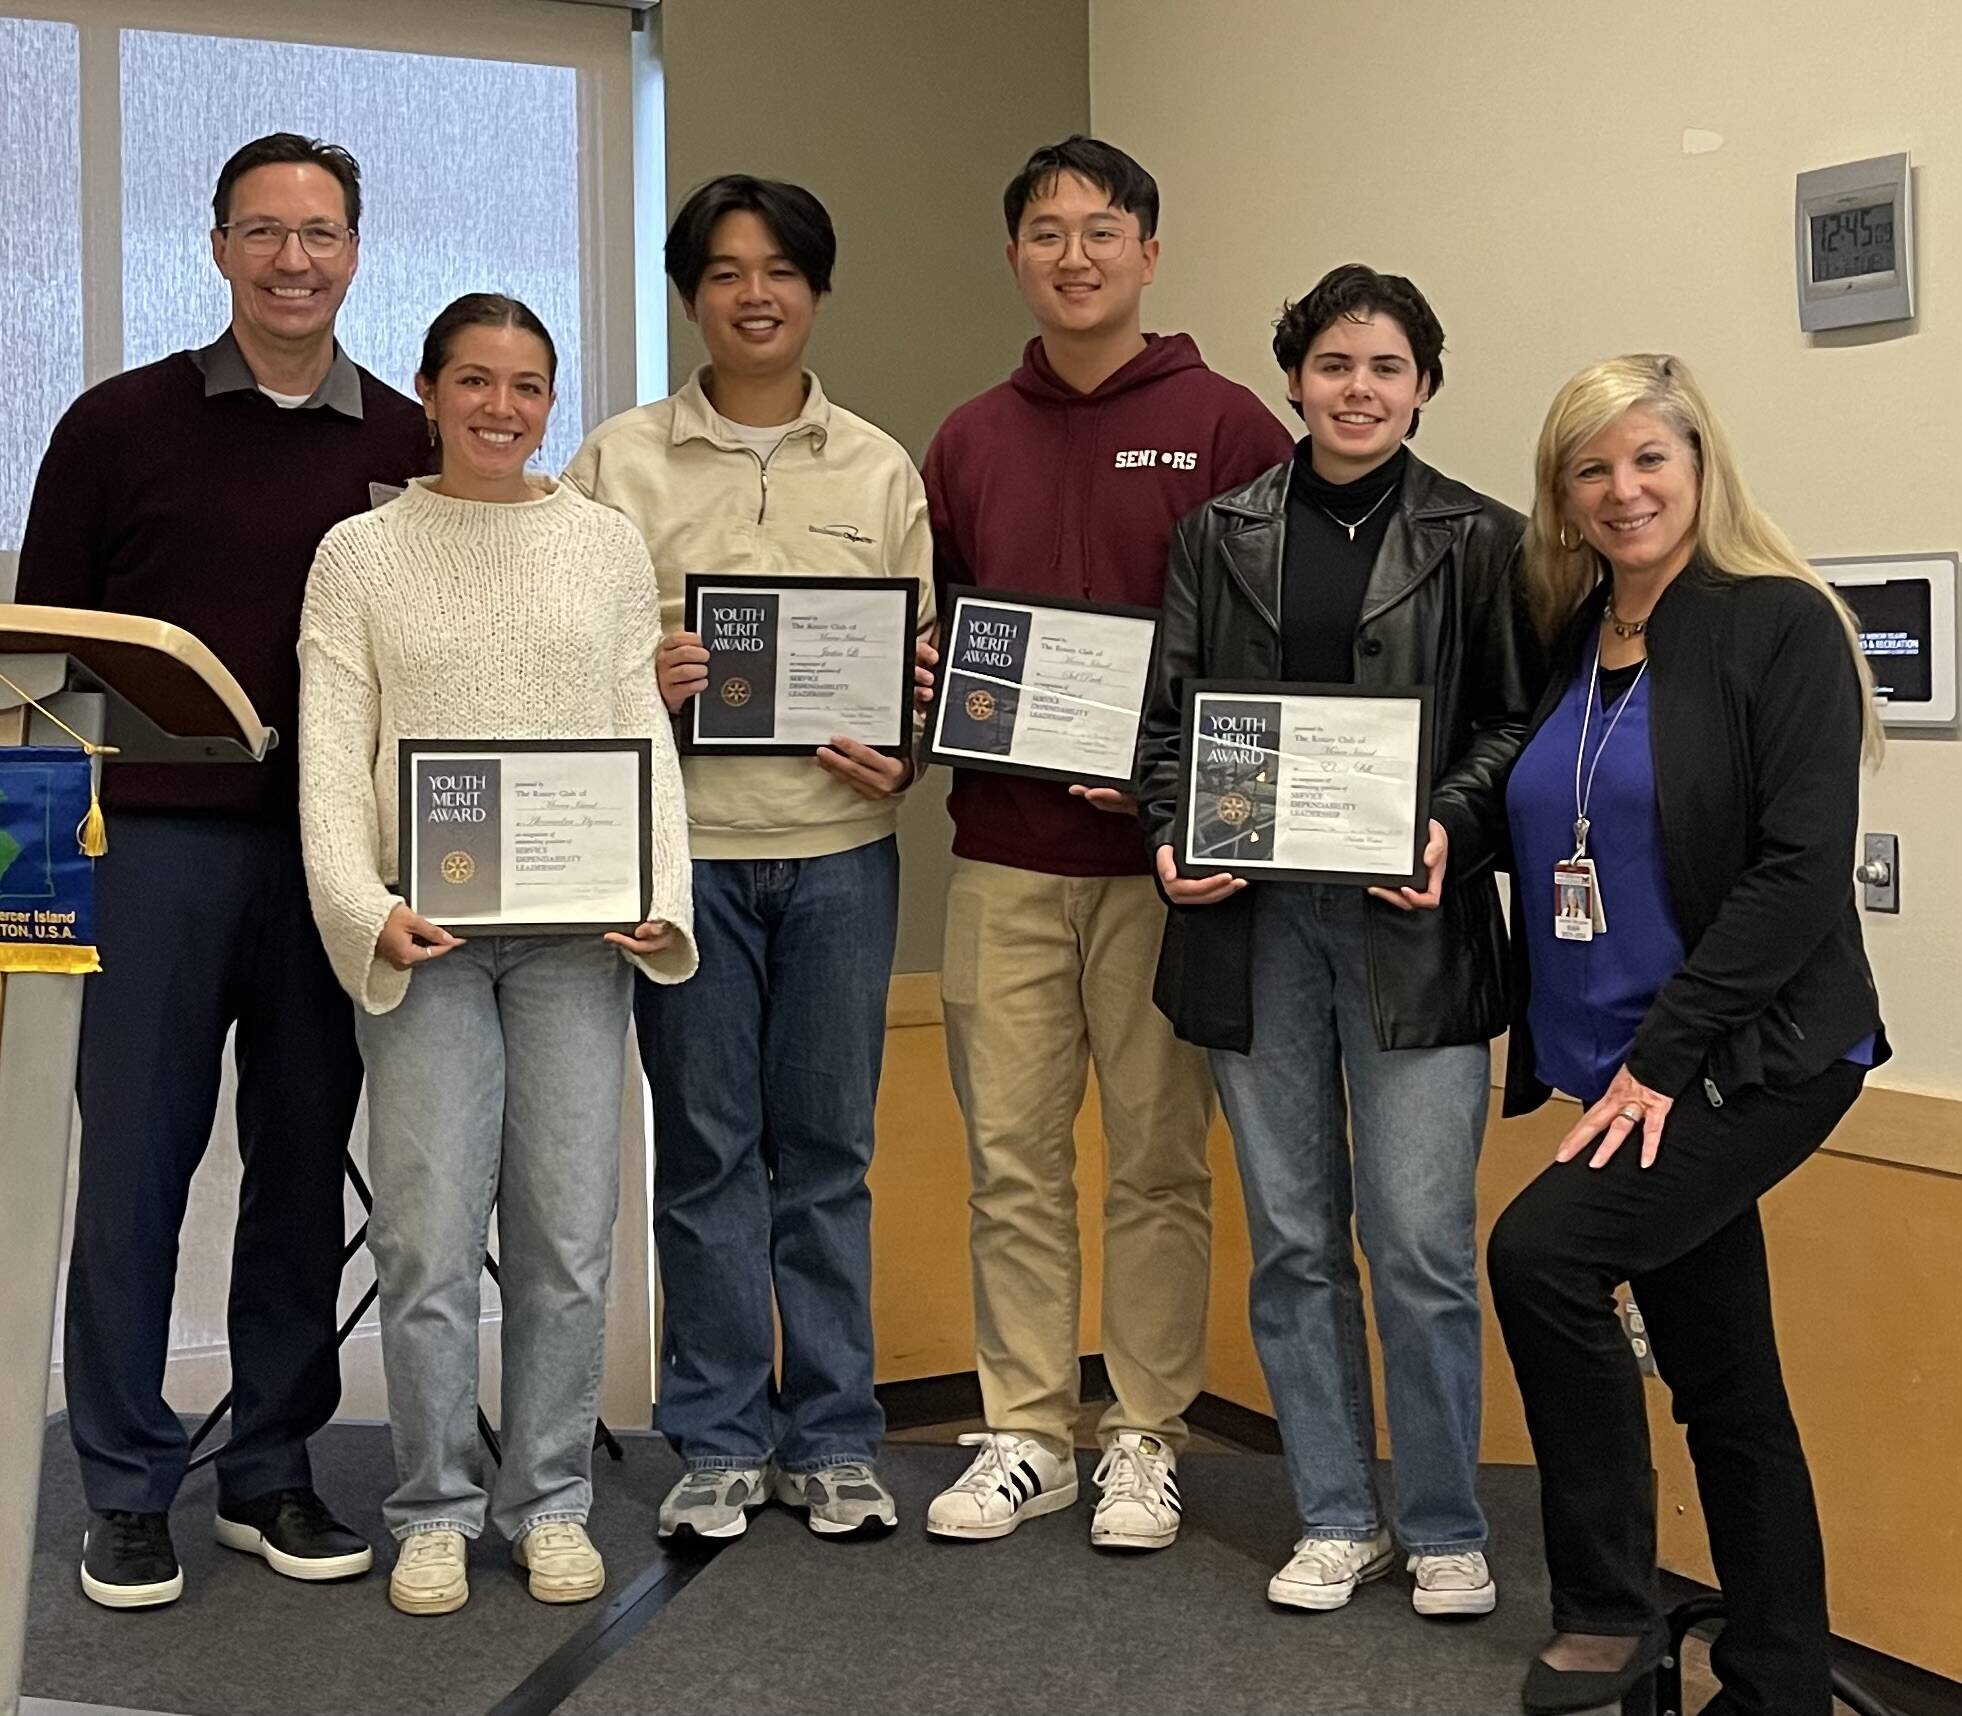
(1366, 517)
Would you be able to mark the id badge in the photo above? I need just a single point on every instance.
(1578, 914)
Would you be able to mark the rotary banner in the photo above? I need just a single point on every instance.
(47, 876)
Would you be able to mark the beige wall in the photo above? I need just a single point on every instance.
(1523, 161)
(906, 119)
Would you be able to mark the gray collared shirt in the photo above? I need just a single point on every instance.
(226, 371)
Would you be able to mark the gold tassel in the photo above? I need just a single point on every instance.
(92, 834)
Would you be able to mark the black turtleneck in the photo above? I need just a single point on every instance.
(1325, 571)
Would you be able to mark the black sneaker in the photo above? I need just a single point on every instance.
(128, 1563)
(296, 1535)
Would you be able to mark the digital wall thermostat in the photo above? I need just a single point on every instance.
(1854, 231)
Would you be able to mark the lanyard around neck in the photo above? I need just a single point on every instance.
(1582, 799)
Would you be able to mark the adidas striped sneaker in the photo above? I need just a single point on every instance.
(1012, 1478)
(1140, 1506)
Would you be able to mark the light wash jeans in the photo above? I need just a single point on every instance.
(764, 1069)
(497, 1080)
(1417, 1118)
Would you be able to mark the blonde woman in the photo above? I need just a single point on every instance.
(1686, 809)
(486, 602)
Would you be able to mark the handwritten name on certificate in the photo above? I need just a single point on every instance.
(573, 837)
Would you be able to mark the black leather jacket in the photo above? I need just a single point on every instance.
(1445, 607)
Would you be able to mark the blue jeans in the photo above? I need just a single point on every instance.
(498, 1079)
(1416, 1118)
(764, 1069)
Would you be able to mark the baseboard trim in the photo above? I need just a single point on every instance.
(915, 1402)
(1228, 1421)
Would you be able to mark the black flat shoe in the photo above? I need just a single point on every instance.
(128, 1561)
(295, 1535)
(1551, 1691)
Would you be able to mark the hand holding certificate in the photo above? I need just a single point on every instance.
(1305, 783)
(1042, 686)
(793, 662)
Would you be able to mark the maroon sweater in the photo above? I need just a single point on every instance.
(205, 511)
(1036, 487)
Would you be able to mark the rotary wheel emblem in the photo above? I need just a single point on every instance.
(1234, 808)
(458, 867)
(980, 705)
(735, 692)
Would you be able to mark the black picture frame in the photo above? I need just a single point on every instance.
(954, 597)
(696, 584)
(1268, 690)
(407, 829)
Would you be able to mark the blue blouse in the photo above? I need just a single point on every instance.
(1589, 997)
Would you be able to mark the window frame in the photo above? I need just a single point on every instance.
(614, 73)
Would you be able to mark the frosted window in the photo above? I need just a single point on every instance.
(469, 182)
(40, 249)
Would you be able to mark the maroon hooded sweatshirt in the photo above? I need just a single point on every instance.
(1038, 488)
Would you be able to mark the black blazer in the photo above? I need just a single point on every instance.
(1444, 607)
(1755, 725)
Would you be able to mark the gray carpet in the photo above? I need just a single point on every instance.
(242, 1641)
(1041, 1623)
(785, 1622)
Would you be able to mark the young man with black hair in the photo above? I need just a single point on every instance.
(1350, 1030)
(195, 490)
(1068, 479)
(764, 1067)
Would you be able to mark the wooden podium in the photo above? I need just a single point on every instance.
(158, 695)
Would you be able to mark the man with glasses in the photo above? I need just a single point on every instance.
(196, 489)
(1067, 479)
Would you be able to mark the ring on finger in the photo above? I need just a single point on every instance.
(1630, 1113)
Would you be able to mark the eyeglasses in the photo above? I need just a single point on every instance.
(320, 239)
(1100, 243)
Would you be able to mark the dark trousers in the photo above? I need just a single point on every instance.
(1685, 1236)
(204, 923)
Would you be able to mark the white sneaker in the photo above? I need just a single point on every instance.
(563, 1564)
(430, 1576)
(1323, 1572)
(1012, 1478)
(1140, 1506)
(1456, 1584)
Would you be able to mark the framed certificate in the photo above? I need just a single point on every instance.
(526, 836)
(794, 662)
(1041, 685)
(1305, 783)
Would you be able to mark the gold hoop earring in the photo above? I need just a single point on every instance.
(1574, 546)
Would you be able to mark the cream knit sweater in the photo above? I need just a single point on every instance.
(433, 617)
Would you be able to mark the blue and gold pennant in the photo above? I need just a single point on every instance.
(47, 875)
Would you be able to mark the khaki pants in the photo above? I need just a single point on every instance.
(1041, 976)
